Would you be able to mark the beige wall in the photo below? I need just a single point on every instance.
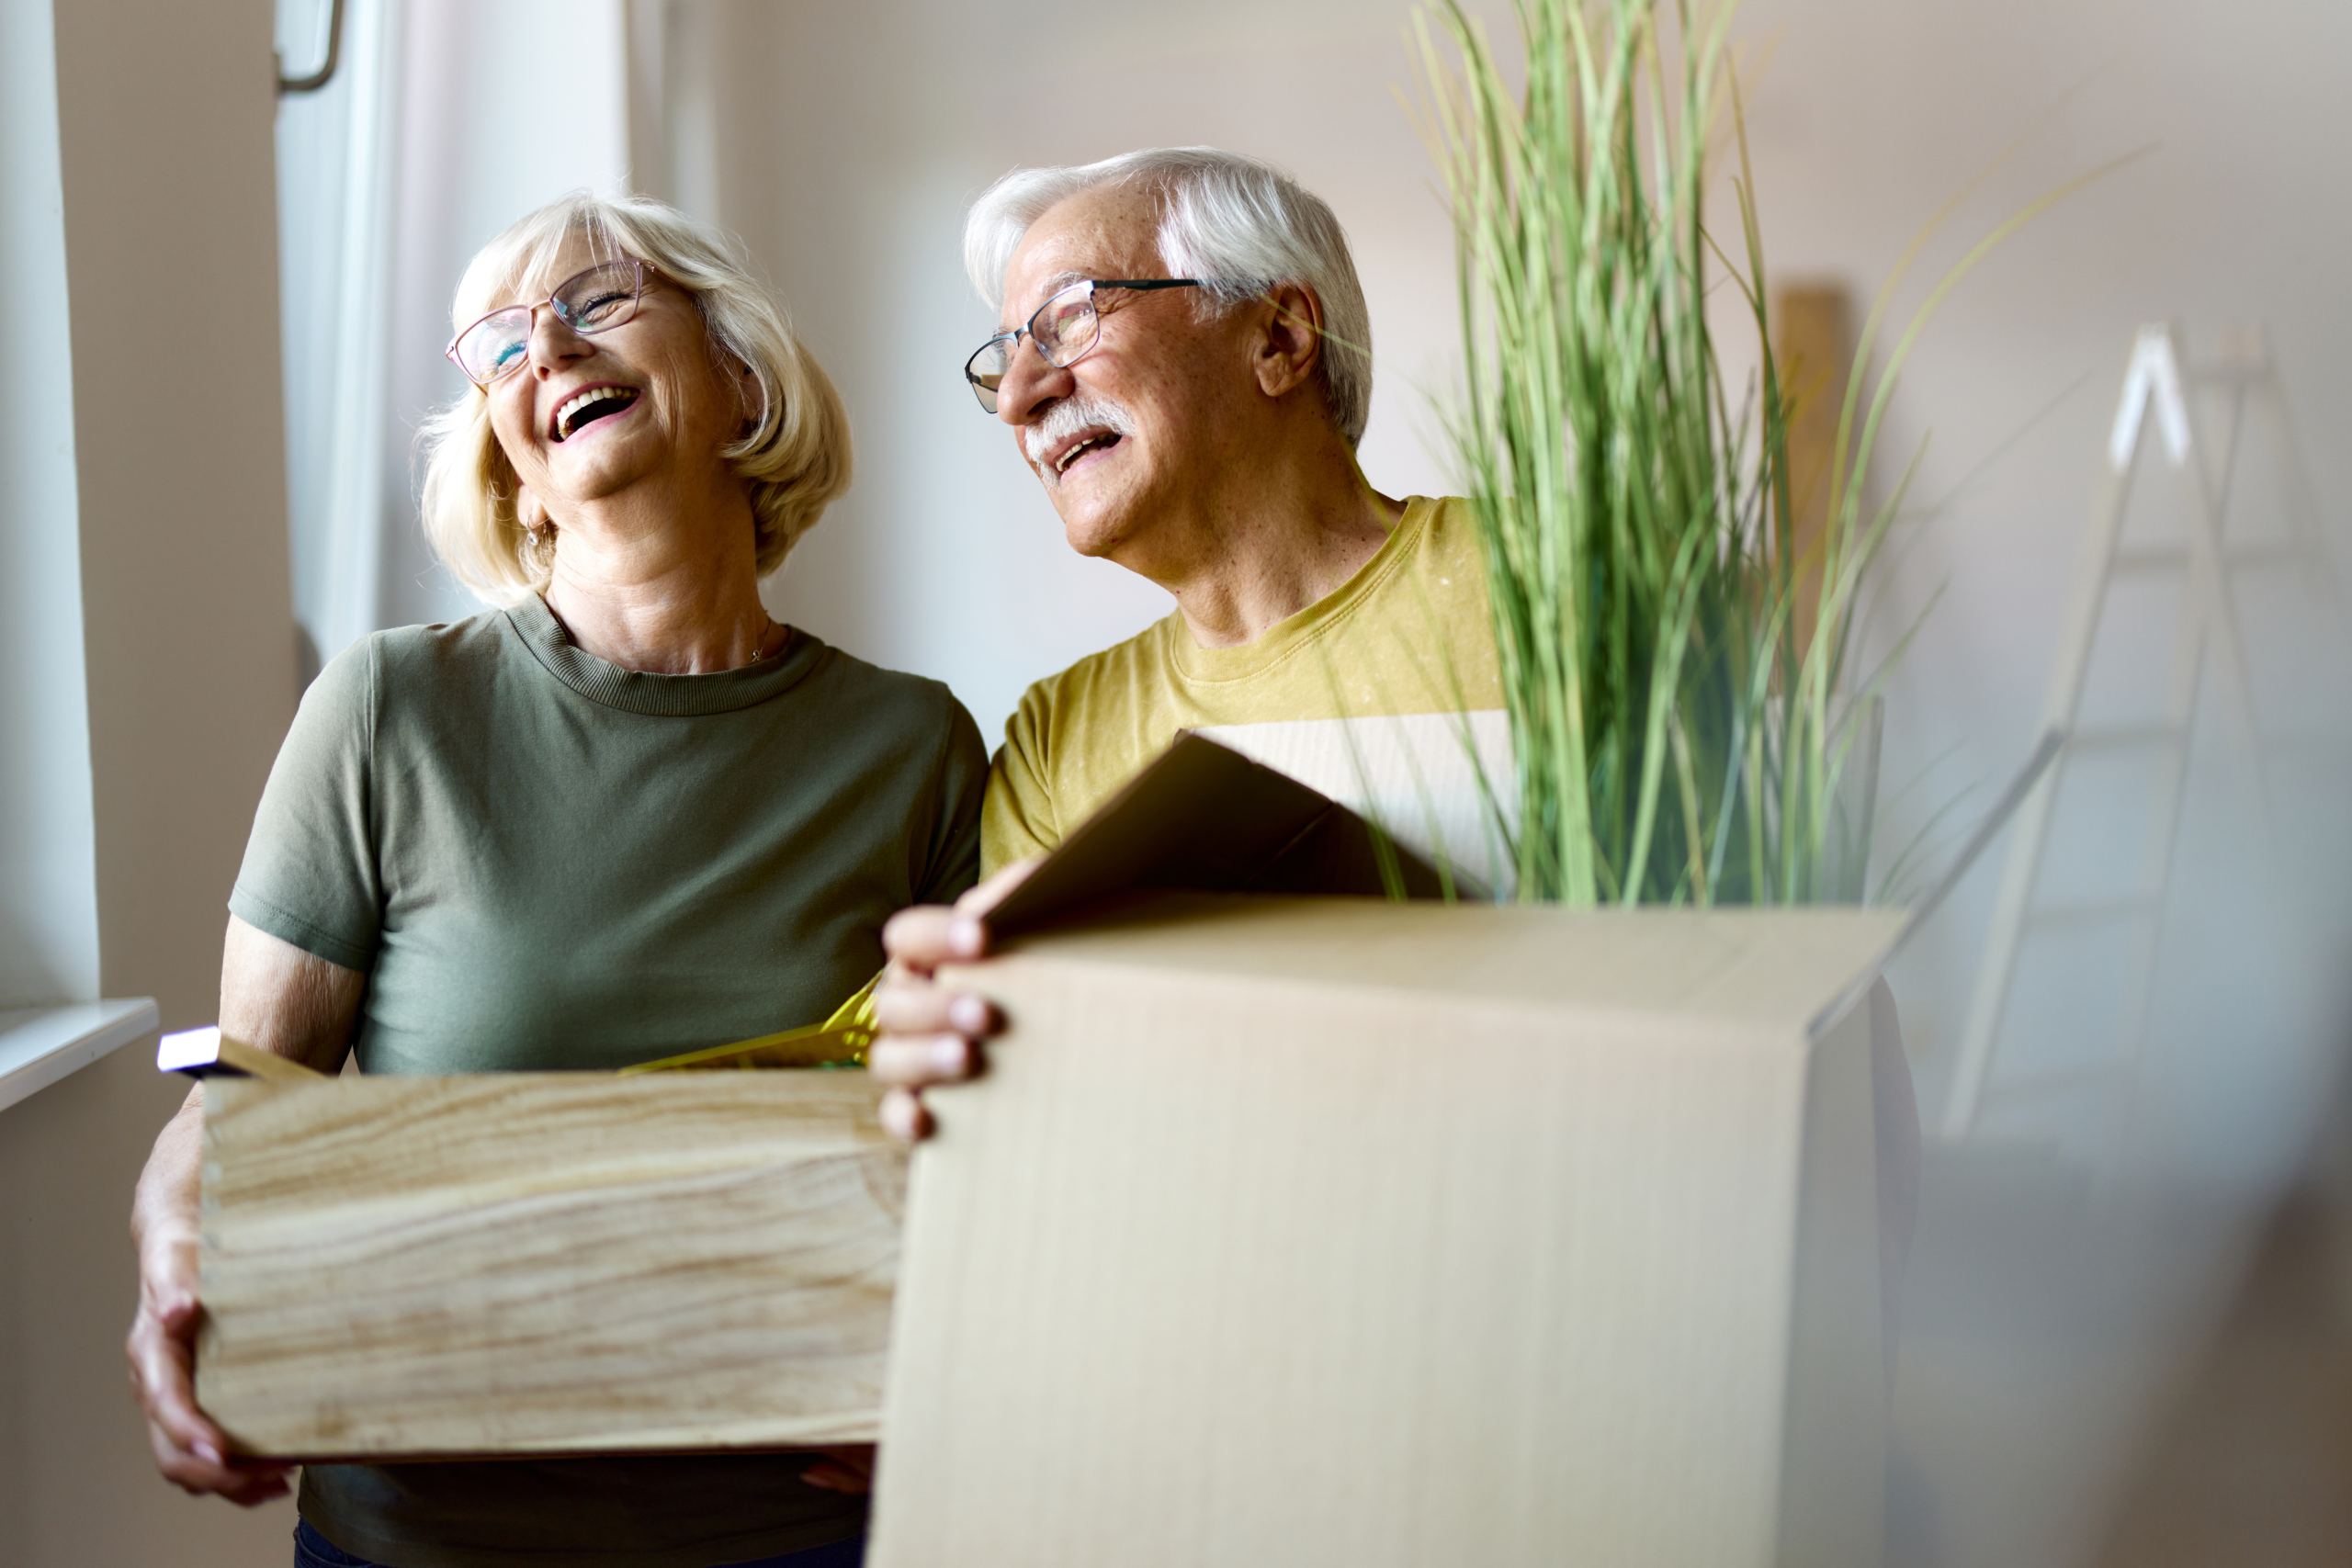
(164, 115)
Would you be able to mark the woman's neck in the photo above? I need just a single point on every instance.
(668, 600)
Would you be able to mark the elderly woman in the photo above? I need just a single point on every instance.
(623, 817)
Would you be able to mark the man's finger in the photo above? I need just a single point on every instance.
(904, 1116)
(918, 1061)
(917, 1007)
(928, 935)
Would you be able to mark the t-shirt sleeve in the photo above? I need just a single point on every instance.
(1019, 820)
(311, 875)
(954, 853)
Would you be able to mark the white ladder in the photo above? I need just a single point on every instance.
(2204, 621)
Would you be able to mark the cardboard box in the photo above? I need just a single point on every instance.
(1305, 1231)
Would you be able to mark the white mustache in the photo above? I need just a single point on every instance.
(1082, 411)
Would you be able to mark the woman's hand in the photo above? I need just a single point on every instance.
(929, 1034)
(285, 1000)
(189, 1450)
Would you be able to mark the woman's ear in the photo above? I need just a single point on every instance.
(1290, 340)
(530, 510)
(752, 395)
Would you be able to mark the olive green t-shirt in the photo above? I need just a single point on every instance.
(544, 862)
(1408, 634)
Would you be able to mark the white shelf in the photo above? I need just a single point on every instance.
(40, 1045)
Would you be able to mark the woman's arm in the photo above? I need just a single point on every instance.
(285, 1000)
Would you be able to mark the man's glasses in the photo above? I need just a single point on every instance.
(1065, 328)
(596, 300)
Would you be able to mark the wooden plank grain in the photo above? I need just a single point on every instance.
(538, 1263)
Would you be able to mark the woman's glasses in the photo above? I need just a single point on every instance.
(596, 300)
(1065, 328)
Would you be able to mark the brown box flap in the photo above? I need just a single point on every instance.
(1202, 817)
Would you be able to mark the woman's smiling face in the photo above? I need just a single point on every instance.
(589, 416)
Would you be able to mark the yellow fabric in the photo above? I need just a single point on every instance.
(839, 1041)
(1408, 634)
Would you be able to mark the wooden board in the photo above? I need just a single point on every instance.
(1333, 1232)
(537, 1263)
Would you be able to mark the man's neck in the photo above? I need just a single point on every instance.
(1260, 556)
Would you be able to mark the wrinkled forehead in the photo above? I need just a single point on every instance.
(518, 269)
(1108, 230)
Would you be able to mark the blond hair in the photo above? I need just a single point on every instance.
(795, 461)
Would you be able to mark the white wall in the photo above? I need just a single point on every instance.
(1870, 117)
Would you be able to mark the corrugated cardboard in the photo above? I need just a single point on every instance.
(1312, 1231)
(1205, 818)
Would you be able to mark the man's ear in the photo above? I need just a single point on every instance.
(1290, 338)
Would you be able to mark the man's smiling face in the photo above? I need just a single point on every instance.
(1115, 438)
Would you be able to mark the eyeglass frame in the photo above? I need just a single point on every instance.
(1028, 327)
(639, 268)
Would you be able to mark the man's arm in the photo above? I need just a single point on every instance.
(287, 1001)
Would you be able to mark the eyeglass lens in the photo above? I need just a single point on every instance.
(1064, 329)
(595, 301)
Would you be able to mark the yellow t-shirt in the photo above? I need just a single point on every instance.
(1408, 634)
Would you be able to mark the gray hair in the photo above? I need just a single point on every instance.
(795, 461)
(1233, 219)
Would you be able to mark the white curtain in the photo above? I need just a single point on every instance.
(445, 121)
(337, 155)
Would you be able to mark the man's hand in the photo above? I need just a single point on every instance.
(928, 1035)
(189, 1450)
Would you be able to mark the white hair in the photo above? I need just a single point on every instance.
(1240, 224)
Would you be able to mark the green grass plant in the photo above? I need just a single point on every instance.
(1678, 737)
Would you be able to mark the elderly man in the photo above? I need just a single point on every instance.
(1184, 364)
